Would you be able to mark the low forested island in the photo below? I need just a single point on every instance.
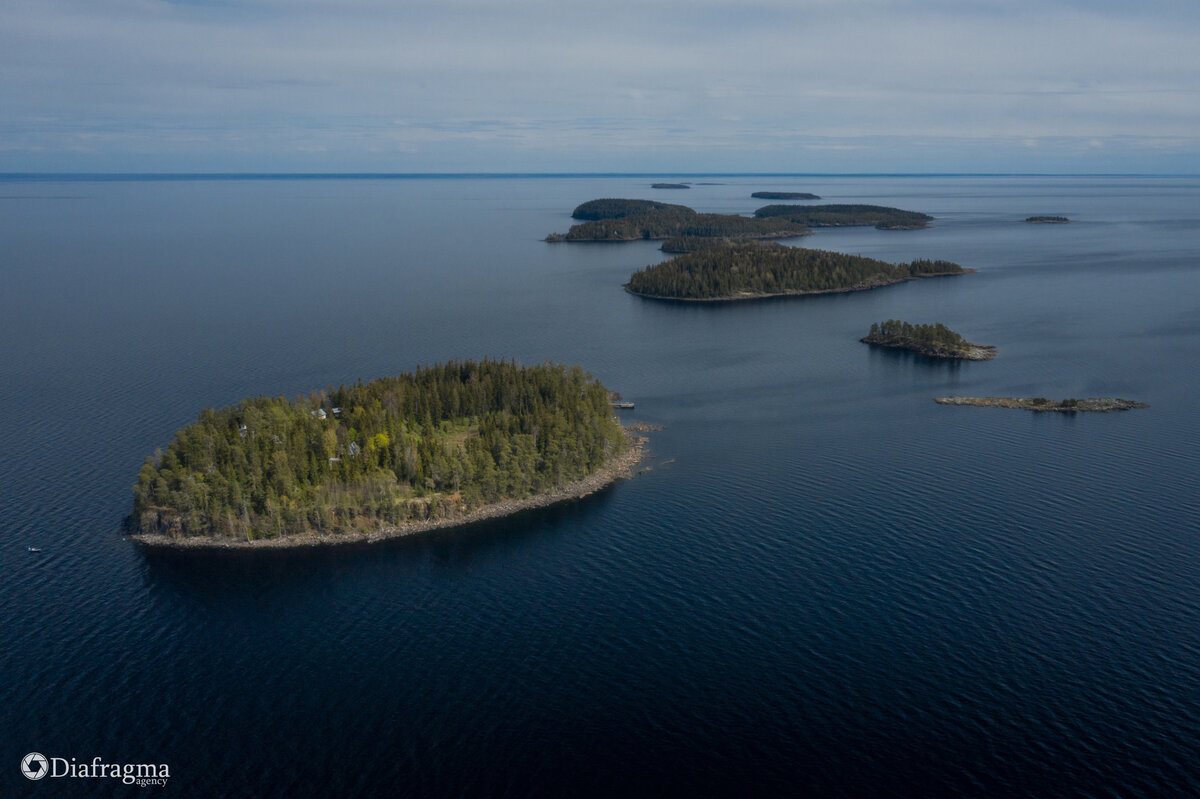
(880, 216)
(749, 270)
(669, 186)
(934, 341)
(1094, 405)
(784, 195)
(444, 445)
(615, 208)
(678, 221)
(1048, 220)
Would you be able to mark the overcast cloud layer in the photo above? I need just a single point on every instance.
(651, 85)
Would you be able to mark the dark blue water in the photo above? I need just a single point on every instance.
(826, 584)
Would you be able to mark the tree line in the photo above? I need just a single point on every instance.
(936, 335)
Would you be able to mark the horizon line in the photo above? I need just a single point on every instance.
(133, 176)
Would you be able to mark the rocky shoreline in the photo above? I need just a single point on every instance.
(971, 352)
(1041, 404)
(618, 469)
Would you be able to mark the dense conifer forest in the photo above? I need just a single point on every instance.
(427, 445)
(682, 244)
(880, 216)
(746, 269)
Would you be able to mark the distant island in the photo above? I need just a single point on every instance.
(784, 195)
(1048, 220)
(669, 186)
(934, 341)
(637, 220)
(880, 216)
(612, 208)
(748, 270)
(1094, 405)
(614, 219)
(444, 445)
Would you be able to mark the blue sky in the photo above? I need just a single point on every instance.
(627, 86)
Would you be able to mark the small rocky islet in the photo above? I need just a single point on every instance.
(933, 341)
(1041, 404)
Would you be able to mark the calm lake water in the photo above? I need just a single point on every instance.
(825, 584)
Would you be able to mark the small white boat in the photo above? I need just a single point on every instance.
(34, 549)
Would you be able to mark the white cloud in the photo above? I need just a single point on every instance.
(330, 76)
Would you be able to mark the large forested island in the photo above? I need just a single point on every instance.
(880, 216)
(934, 341)
(443, 445)
(749, 270)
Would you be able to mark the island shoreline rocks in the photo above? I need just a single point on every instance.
(617, 469)
(1041, 404)
(974, 352)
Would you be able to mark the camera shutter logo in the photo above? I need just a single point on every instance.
(35, 766)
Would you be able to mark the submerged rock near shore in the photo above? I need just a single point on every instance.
(1093, 405)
